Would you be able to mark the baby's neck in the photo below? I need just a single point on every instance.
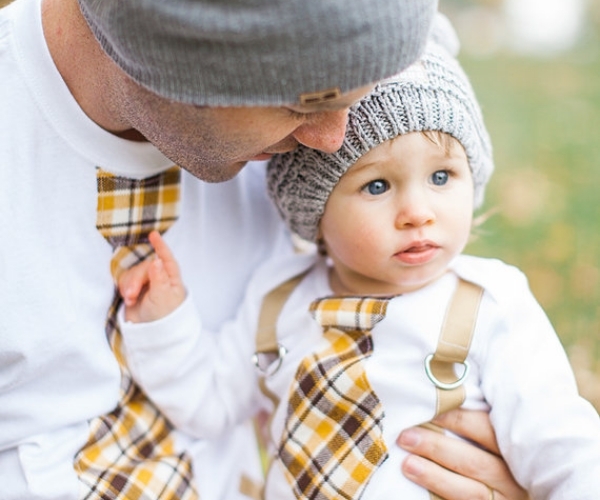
(339, 286)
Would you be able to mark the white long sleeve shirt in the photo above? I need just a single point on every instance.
(549, 436)
(56, 368)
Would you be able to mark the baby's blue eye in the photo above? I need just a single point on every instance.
(377, 187)
(440, 177)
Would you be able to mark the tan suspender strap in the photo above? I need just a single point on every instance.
(265, 390)
(250, 488)
(273, 302)
(266, 334)
(266, 344)
(454, 343)
(453, 347)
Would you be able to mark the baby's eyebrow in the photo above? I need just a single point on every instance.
(358, 170)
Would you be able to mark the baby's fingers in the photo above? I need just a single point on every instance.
(163, 252)
(162, 297)
(158, 279)
(132, 281)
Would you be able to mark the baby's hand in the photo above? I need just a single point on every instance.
(152, 289)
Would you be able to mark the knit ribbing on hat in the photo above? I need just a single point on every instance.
(434, 94)
(258, 52)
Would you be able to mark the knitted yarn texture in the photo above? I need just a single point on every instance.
(258, 52)
(433, 94)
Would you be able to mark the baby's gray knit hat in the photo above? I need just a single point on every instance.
(259, 52)
(432, 94)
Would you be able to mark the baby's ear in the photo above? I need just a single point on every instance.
(321, 247)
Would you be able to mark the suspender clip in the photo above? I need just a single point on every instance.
(445, 386)
(268, 362)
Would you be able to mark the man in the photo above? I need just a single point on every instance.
(100, 99)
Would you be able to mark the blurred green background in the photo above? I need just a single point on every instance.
(535, 65)
(540, 95)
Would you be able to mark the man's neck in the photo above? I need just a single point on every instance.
(83, 65)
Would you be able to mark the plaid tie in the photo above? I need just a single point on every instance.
(332, 440)
(130, 454)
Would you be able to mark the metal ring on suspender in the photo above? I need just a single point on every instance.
(269, 366)
(444, 385)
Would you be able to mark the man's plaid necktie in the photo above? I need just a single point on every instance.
(130, 454)
(332, 440)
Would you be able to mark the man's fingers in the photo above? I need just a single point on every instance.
(454, 454)
(453, 464)
(443, 482)
(472, 425)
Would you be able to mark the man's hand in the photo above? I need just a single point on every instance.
(152, 289)
(455, 469)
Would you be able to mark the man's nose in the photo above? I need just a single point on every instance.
(324, 131)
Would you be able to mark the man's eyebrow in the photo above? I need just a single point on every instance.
(322, 106)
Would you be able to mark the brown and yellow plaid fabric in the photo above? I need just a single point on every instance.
(333, 439)
(130, 454)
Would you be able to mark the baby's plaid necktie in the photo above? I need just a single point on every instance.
(332, 440)
(130, 454)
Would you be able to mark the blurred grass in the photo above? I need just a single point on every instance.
(544, 119)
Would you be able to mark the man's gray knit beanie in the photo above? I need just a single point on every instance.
(433, 94)
(259, 52)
